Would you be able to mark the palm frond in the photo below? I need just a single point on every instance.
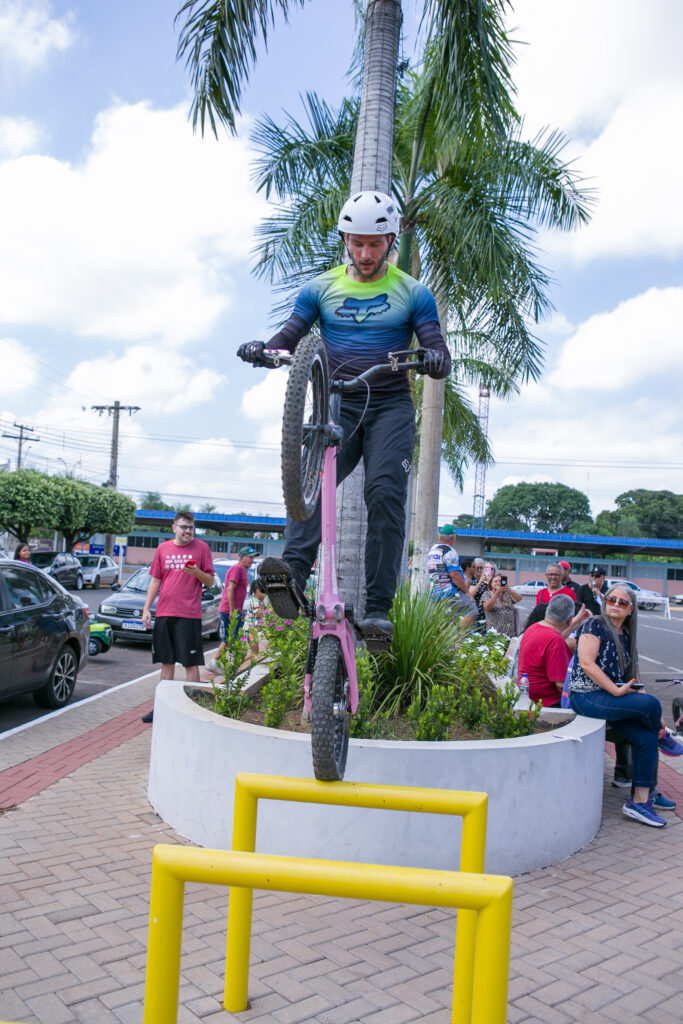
(217, 42)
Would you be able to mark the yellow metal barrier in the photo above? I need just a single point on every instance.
(249, 788)
(489, 897)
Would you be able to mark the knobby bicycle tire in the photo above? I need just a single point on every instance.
(329, 731)
(303, 421)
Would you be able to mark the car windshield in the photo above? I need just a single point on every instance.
(138, 582)
(88, 561)
(42, 558)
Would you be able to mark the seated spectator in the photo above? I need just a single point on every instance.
(591, 594)
(544, 654)
(537, 614)
(553, 575)
(499, 606)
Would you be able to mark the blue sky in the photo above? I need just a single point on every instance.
(125, 246)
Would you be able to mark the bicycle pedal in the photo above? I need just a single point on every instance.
(284, 595)
(377, 644)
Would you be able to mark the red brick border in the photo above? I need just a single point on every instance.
(33, 776)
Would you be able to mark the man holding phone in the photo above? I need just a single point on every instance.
(180, 568)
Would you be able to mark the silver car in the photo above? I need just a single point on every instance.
(98, 569)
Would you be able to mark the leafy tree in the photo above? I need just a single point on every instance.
(655, 513)
(25, 502)
(153, 502)
(543, 507)
(108, 511)
(69, 504)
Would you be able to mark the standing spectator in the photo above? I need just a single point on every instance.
(467, 567)
(253, 623)
(567, 581)
(602, 686)
(499, 607)
(591, 594)
(179, 570)
(480, 591)
(233, 597)
(553, 575)
(544, 653)
(22, 553)
(446, 576)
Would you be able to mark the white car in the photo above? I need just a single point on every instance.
(647, 599)
(98, 569)
(531, 587)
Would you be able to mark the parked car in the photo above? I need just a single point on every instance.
(676, 599)
(61, 565)
(43, 636)
(530, 587)
(101, 637)
(98, 569)
(646, 599)
(123, 609)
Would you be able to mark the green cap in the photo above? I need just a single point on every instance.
(446, 531)
(247, 551)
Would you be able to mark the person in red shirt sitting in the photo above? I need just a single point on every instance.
(553, 575)
(544, 654)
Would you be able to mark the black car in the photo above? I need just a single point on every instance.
(43, 636)
(62, 566)
(123, 609)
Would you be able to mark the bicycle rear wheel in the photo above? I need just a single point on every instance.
(303, 425)
(330, 713)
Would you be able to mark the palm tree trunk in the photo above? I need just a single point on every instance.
(372, 162)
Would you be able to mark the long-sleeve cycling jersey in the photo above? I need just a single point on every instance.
(361, 322)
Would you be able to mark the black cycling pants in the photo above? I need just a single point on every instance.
(383, 435)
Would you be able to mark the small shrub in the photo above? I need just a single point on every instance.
(471, 707)
(480, 657)
(228, 698)
(434, 721)
(365, 723)
(280, 695)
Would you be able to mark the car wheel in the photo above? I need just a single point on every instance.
(95, 647)
(79, 582)
(62, 681)
(647, 606)
(96, 583)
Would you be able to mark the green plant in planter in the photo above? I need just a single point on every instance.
(433, 722)
(478, 658)
(287, 643)
(471, 707)
(422, 652)
(365, 723)
(501, 721)
(228, 699)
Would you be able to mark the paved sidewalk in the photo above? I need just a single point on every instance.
(598, 937)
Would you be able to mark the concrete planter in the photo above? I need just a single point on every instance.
(545, 791)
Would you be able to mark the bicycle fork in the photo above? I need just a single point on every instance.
(329, 613)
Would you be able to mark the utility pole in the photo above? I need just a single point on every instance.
(115, 411)
(21, 427)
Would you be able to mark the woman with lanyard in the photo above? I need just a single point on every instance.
(604, 685)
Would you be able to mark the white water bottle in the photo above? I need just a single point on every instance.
(523, 702)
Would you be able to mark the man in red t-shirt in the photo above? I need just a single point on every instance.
(234, 596)
(544, 654)
(553, 575)
(179, 569)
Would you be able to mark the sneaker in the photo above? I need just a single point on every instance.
(669, 746)
(149, 717)
(621, 783)
(277, 579)
(213, 666)
(661, 802)
(643, 813)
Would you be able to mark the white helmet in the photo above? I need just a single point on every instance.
(369, 213)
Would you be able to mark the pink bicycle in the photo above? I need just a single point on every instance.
(311, 437)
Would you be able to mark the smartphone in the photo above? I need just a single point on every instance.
(503, 581)
(635, 685)
(488, 573)
(190, 561)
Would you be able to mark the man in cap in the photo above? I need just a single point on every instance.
(233, 597)
(590, 594)
(567, 581)
(447, 576)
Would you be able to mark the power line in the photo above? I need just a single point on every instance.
(114, 411)
(21, 427)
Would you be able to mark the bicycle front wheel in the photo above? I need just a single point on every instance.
(303, 428)
(330, 712)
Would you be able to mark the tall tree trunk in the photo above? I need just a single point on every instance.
(428, 471)
(372, 161)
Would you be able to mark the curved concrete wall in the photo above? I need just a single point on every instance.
(545, 791)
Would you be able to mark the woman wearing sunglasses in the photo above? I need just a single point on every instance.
(604, 685)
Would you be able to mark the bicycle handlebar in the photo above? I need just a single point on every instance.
(279, 357)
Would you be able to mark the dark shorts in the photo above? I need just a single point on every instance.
(177, 640)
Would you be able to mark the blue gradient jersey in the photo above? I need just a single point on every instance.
(361, 322)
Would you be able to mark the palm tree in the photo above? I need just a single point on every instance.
(470, 73)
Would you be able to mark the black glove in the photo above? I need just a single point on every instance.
(433, 363)
(252, 352)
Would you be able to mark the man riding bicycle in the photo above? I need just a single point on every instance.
(366, 309)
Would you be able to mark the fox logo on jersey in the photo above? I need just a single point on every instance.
(360, 309)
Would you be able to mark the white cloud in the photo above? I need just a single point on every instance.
(29, 34)
(640, 338)
(18, 135)
(158, 381)
(134, 243)
(20, 370)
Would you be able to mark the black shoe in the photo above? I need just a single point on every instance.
(149, 717)
(377, 631)
(276, 579)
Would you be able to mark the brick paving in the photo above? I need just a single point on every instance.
(598, 937)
